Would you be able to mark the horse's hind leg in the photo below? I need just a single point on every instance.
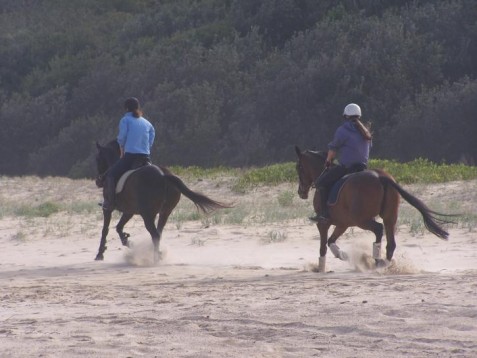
(391, 241)
(155, 235)
(120, 227)
(377, 229)
(161, 222)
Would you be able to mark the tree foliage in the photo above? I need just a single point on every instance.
(234, 82)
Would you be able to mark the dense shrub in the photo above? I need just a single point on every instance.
(234, 82)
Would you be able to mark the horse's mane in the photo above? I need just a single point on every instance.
(113, 144)
(317, 154)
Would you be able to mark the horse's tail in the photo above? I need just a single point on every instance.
(202, 202)
(431, 218)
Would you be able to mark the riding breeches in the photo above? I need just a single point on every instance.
(333, 174)
(127, 162)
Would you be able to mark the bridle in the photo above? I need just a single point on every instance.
(303, 185)
(303, 188)
(100, 177)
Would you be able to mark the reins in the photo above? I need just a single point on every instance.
(319, 176)
(325, 169)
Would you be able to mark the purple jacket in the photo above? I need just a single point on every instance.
(350, 145)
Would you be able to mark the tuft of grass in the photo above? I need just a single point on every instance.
(213, 219)
(236, 216)
(195, 172)
(43, 210)
(275, 237)
(468, 221)
(20, 236)
(180, 215)
(197, 242)
(285, 199)
(82, 207)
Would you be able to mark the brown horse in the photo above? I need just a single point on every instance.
(148, 191)
(363, 197)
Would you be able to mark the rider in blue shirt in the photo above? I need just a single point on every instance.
(135, 138)
(351, 144)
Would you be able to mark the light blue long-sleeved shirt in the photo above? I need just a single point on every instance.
(352, 148)
(136, 135)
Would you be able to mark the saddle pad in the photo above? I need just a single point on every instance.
(336, 188)
(125, 176)
(122, 180)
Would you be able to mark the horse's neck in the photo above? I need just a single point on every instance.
(317, 163)
(318, 168)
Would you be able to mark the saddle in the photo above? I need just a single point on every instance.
(335, 191)
(122, 180)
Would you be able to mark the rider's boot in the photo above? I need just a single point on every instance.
(324, 216)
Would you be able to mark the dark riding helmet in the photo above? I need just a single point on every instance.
(131, 104)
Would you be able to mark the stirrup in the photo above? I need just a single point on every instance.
(319, 218)
(324, 218)
(314, 218)
(106, 207)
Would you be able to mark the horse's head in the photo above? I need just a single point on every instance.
(309, 166)
(105, 157)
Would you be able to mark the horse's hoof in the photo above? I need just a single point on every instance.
(343, 256)
(157, 256)
(124, 236)
(99, 257)
(380, 263)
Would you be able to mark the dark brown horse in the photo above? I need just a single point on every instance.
(363, 197)
(149, 191)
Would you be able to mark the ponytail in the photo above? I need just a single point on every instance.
(137, 113)
(132, 105)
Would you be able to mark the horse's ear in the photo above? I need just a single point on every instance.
(98, 145)
(298, 151)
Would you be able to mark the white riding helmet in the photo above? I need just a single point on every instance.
(351, 110)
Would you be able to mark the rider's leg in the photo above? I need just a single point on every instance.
(323, 185)
(324, 215)
(109, 193)
(113, 175)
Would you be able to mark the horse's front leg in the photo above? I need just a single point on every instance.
(104, 232)
(120, 227)
(337, 232)
(323, 229)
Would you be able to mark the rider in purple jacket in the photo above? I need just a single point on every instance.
(351, 143)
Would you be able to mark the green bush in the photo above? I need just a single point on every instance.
(416, 171)
(425, 171)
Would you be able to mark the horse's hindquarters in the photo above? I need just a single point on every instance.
(360, 199)
(144, 191)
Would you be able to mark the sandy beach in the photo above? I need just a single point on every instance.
(229, 290)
